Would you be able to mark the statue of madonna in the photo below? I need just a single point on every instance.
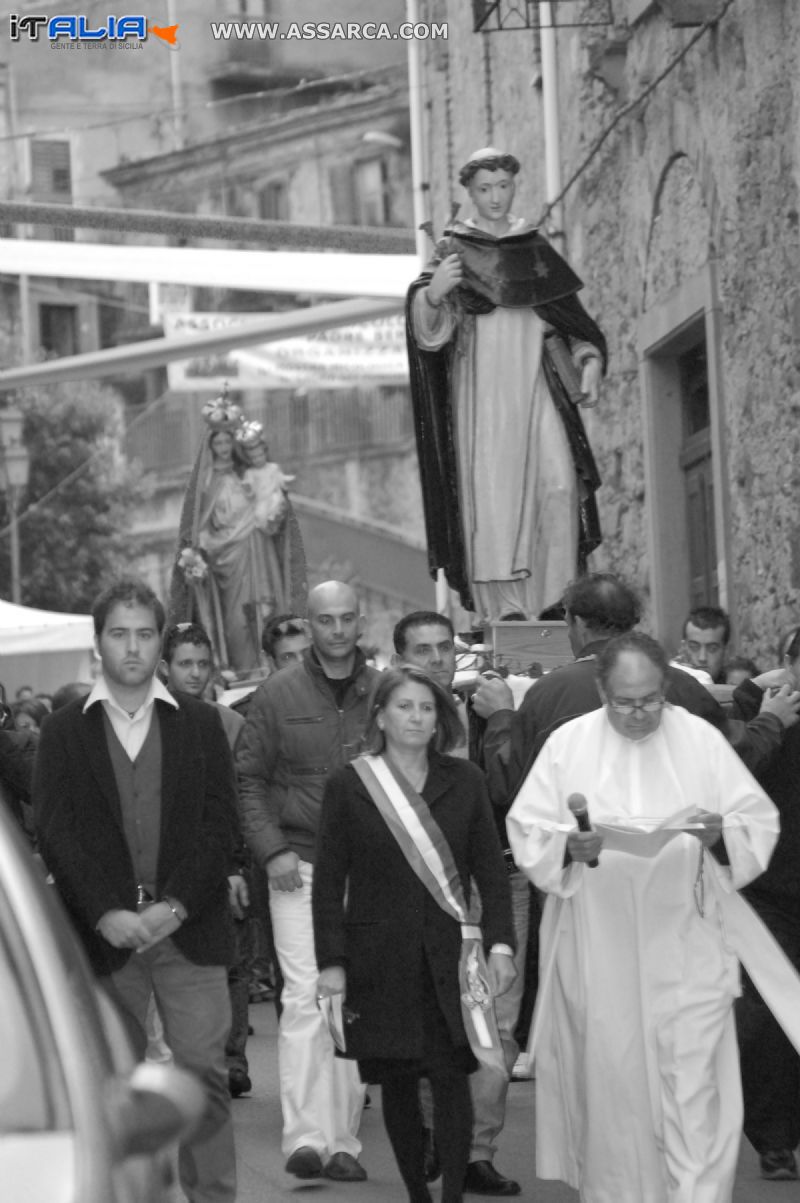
(240, 556)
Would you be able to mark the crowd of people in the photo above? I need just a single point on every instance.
(338, 812)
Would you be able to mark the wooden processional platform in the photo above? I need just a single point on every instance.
(518, 645)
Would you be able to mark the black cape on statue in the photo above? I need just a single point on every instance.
(517, 271)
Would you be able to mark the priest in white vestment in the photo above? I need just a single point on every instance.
(638, 1096)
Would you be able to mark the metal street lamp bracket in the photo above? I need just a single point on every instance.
(496, 16)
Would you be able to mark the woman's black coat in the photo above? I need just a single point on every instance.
(373, 916)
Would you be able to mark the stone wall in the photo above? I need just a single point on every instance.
(702, 171)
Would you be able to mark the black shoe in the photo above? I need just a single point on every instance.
(431, 1165)
(238, 1083)
(305, 1162)
(482, 1178)
(343, 1167)
(778, 1165)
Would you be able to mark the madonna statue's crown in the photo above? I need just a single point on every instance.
(222, 413)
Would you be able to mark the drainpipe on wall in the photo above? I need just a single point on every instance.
(417, 135)
(442, 597)
(176, 90)
(552, 146)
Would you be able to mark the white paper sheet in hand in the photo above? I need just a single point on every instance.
(331, 1008)
(645, 836)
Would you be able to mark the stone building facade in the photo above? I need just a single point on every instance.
(309, 131)
(343, 158)
(680, 152)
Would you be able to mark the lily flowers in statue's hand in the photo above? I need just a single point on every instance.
(193, 565)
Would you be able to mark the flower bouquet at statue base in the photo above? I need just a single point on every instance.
(193, 565)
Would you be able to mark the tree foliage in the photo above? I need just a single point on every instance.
(75, 513)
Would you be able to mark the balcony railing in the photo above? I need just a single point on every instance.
(297, 425)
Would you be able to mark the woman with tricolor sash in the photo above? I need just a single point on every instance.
(407, 843)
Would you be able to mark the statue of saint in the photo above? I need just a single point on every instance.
(502, 353)
(240, 557)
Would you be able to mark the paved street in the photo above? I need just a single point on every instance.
(262, 1180)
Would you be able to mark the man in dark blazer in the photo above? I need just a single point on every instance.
(135, 803)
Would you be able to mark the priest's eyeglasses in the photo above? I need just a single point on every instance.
(627, 707)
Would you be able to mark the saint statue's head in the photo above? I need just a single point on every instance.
(489, 177)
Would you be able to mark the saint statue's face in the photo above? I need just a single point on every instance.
(634, 695)
(492, 194)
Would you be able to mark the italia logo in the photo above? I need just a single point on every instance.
(74, 28)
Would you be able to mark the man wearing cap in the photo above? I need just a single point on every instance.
(501, 352)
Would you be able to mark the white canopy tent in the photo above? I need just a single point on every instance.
(43, 649)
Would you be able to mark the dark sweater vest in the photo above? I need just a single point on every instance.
(139, 786)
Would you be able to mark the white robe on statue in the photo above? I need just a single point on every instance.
(517, 485)
(638, 1097)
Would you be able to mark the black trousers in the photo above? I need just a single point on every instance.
(452, 1118)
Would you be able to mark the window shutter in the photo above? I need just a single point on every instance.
(343, 195)
(51, 174)
(51, 181)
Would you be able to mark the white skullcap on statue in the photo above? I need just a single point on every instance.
(491, 159)
(486, 152)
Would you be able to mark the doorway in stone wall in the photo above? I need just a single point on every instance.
(685, 475)
(698, 477)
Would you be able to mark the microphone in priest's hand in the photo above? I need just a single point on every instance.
(580, 811)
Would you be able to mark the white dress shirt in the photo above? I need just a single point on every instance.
(130, 729)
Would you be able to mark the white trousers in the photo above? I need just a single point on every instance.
(321, 1095)
(488, 1086)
